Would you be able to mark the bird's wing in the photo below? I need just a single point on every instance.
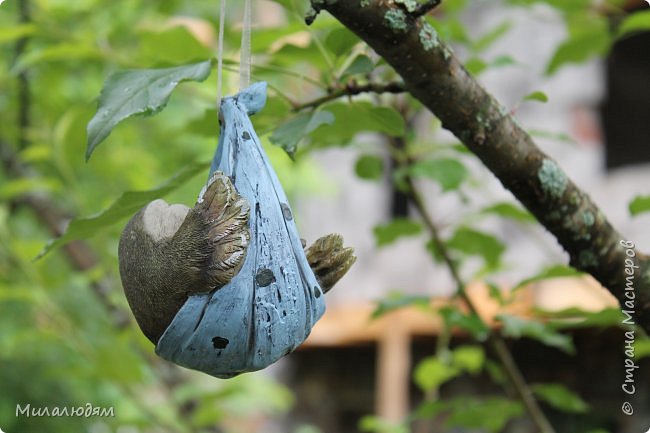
(226, 213)
(330, 260)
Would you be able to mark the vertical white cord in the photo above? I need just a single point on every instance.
(245, 57)
(222, 25)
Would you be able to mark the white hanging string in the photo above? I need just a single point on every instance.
(245, 57)
(222, 25)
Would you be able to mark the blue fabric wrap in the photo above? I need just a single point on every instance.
(268, 309)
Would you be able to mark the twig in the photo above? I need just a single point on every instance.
(24, 97)
(495, 340)
(352, 89)
(425, 8)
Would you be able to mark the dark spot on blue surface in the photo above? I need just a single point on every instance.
(284, 313)
(245, 135)
(286, 212)
(279, 296)
(268, 318)
(264, 277)
(220, 342)
(317, 291)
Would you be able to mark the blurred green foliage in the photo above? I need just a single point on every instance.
(64, 340)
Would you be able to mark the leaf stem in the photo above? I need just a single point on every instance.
(352, 89)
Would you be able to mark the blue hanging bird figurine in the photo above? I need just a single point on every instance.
(226, 287)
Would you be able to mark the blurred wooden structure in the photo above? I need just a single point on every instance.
(393, 332)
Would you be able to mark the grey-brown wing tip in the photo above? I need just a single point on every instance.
(330, 260)
(227, 214)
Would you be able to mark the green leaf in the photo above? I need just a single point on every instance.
(573, 318)
(62, 52)
(388, 120)
(496, 373)
(433, 250)
(431, 372)
(496, 293)
(13, 188)
(144, 91)
(468, 358)
(491, 37)
(557, 136)
(556, 271)
(475, 65)
(449, 173)
(473, 242)
(509, 210)
(369, 167)
(515, 327)
(641, 348)
(174, 46)
(454, 6)
(587, 39)
(560, 397)
(430, 409)
(206, 125)
(355, 118)
(377, 425)
(449, 28)
(289, 134)
(536, 96)
(389, 233)
(481, 414)
(11, 33)
(395, 301)
(501, 61)
(487, 414)
(640, 204)
(361, 65)
(126, 205)
(340, 41)
(470, 323)
(637, 22)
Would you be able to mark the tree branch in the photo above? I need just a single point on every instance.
(352, 89)
(436, 77)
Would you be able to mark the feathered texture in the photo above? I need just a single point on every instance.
(330, 260)
(161, 266)
(229, 234)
